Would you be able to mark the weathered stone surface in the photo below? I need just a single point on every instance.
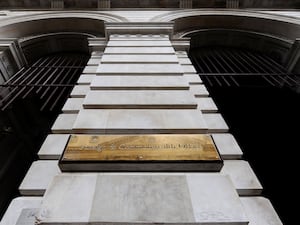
(38, 177)
(139, 121)
(79, 91)
(242, 176)
(227, 146)
(64, 123)
(129, 58)
(139, 100)
(142, 69)
(147, 199)
(260, 211)
(215, 123)
(139, 83)
(72, 105)
(139, 50)
(16, 206)
(53, 146)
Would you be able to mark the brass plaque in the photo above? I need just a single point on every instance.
(133, 148)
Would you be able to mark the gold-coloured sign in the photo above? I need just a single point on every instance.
(132, 148)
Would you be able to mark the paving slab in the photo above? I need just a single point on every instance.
(206, 105)
(227, 146)
(86, 79)
(142, 121)
(139, 100)
(243, 177)
(72, 105)
(260, 211)
(147, 199)
(139, 83)
(79, 91)
(139, 50)
(16, 206)
(215, 123)
(130, 58)
(53, 146)
(64, 123)
(138, 68)
(39, 177)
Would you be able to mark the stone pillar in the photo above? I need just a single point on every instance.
(103, 4)
(186, 4)
(232, 4)
(57, 4)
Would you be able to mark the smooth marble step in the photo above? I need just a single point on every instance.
(64, 123)
(206, 105)
(199, 90)
(227, 144)
(94, 61)
(90, 69)
(139, 59)
(53, 146)
(72, 105)
(138, 43)
(139, 50)
(79, 91)
(141, 199)
(184, 61)
(132, 121)
(260, 211)
(189, 69)
(215, 123)
(139, 100)
(193, 79)
(85, 79)
(146, 69)
(42, 172)
(139, 83)
(16, 207)
(39, 177)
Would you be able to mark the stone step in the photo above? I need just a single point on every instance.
(227, 144)
(199, 90)
(184, 61)
(206, 105)
(42, 172)
(139, 50)
(138, 43)
(142, 121)
(141, 69)
(148, 199)
(53, 146)
(86, 79)
(139, 59)
(38, 177)
(72, 105)
(17, 206)
(90, 69)
(260, 211)
(193, 79)
(139, 100)
(94, 61)
(55, 143)
(139, 37)
(215, 123)
(139, 83)
(189, 69)
(63, 123)
(79, 91)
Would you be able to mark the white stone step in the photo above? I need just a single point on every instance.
(166, 199)
(79, 91)
(39, 177)
(64, 123)
(227, 146)
(139, 59)
(42, 172)
(16, 207)
(260, 211)
(138, 43)
(139, 50)
(72, 105)
(53, 146)
(94, 61)
(142, 121)
(139, 37)
(139, 100)
(141, 69)
(139, 83)
(193, 79)
(215, 123)
(189, 69)
(206, 105)
(90, 69)
(242, 176)
(184, 61)
(86, 79)
(181, 54)
(199, 90)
